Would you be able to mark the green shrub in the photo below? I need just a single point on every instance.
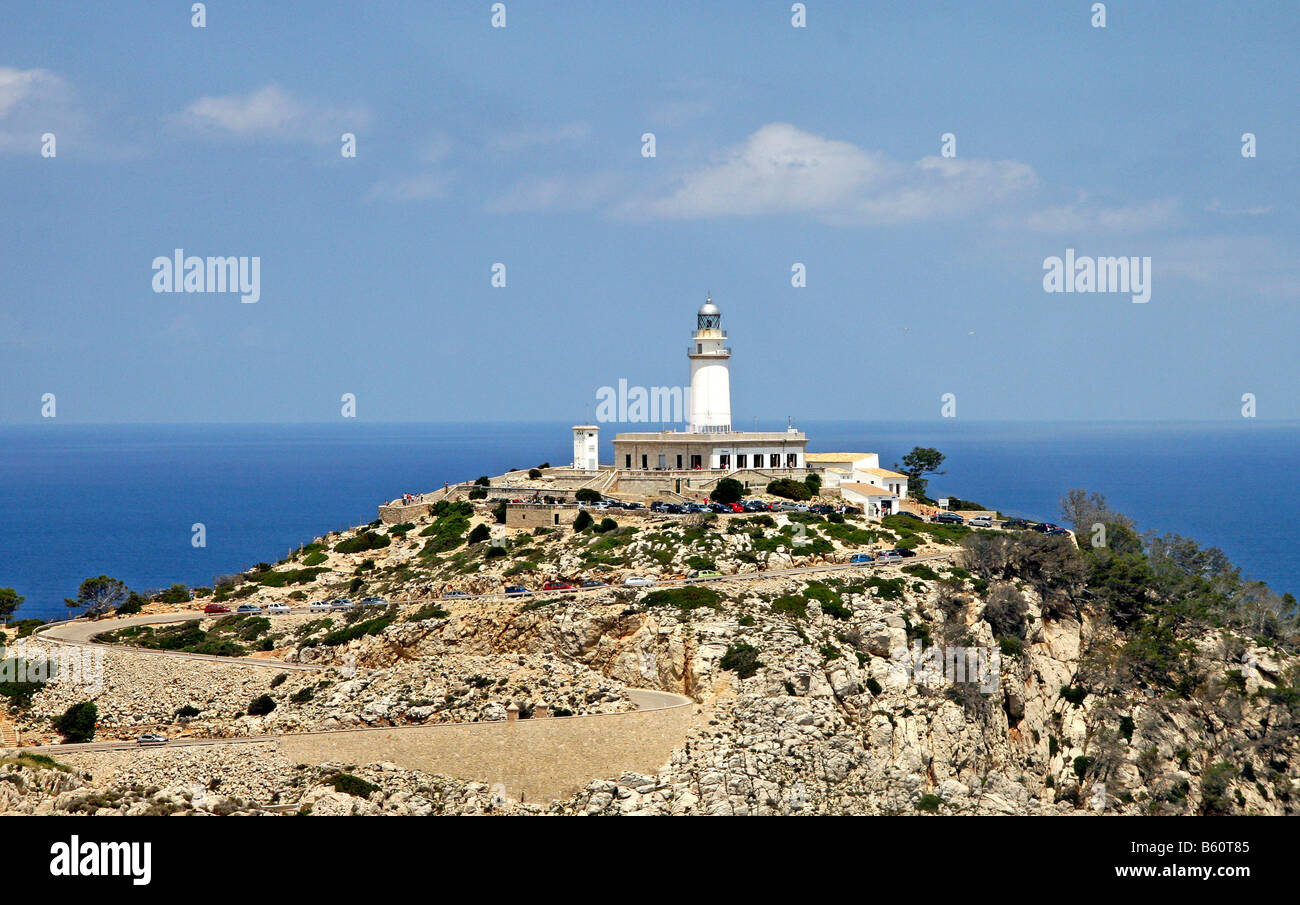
(689, 597)
(366, 540)
(177, 593)
(789, 489)
(728, 490)
(742, 659)
(357, 630)
(261, 705)
(587, 495)
(187, 712)
(791, 605)
(78, 723)
(314, 558)
(494, 552)
(928, 802)
(480, 533)
(583, 521)
(352, 785)
(606, 525)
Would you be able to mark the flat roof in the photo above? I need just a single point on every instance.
(837, 457)
(868, 489)
(880, 472)
(729, 438)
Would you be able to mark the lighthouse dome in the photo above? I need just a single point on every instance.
(708, 308)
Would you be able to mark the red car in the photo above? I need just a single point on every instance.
(216, 608)
(557, 586)
(736, 507)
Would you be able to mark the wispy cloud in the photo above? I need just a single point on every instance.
(1088, 216)
(1216, 207)
(781, 169)
(32, 102)
(271, 113)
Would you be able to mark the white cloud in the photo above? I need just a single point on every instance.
(1086, 216)
(1216, 207)
(782, 169)
(32, 102)
(271, 113)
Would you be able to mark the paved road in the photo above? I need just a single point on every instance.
(645, 699)
(78, 632)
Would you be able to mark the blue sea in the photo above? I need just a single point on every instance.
(84, 500)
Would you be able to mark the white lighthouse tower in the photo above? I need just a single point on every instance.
(710, 373)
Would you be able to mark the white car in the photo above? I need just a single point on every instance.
(636, 581)
(278, 609)
(981, 521)
(889, 557)
(319, 606)
(342, 604)
(151, 738)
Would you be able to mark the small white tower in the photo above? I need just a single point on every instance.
(710, 373)
(586, 446)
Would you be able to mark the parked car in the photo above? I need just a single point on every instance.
(734, 507)
(593, 583)
(849, 510)
(903, 552)
(557, 586)
(634, 505)
(152, 738)
(455, 594)
(216, 608)
(949, 518)
(1056, 532)
(981, 521)
(636, 581)
(705, 573)
(319, 606)
(1043, 527)
(657, 505)
(861, 559)
(1017, 523)
(278, 609)
(374, 601)
(823, 509)
(248, 608)
(341, 603)
(719, 507)
(889, 556)
(516, 590)
(695, 508)
(912, 515)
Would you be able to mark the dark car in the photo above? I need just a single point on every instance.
(1056, 532)
(1017, 523)
(912, 515)
(850, 510)
(823, 509)
(903, 552)
(719, 507)
(456, 594)
(949, 518)
(1044, 527)
(593, 583)
(658, 506)
(516, 590)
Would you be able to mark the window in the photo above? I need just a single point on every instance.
(679, 462)
(628, 463)
(697, 462)
(724, 461)
(741, 459)
(645, 461)
(791, 460)
(557, 518)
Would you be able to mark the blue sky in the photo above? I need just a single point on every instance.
(522, 145)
